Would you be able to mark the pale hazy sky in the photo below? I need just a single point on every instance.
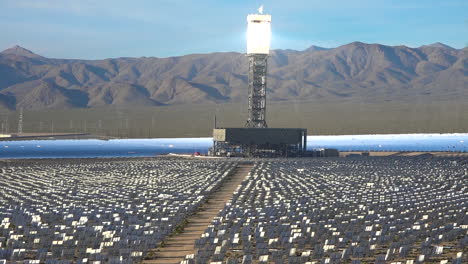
(91, 29)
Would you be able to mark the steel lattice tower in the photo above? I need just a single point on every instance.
(20, 122)
(258, 48)
(257, 91)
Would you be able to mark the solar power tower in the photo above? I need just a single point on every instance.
(258, 48)
(256, 139)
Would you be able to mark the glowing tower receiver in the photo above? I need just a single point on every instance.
(258, 48)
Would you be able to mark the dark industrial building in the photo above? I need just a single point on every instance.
(259, 142)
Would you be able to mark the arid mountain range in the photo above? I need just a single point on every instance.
(356, 72)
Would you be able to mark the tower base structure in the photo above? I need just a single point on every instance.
(259, 142)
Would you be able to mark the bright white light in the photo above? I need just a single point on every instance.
(258, 34)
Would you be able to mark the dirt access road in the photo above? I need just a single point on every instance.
(179, 245)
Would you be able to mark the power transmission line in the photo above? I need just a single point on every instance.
(20, 122)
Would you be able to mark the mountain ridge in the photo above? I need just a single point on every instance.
(20, 51)
(356, 71)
